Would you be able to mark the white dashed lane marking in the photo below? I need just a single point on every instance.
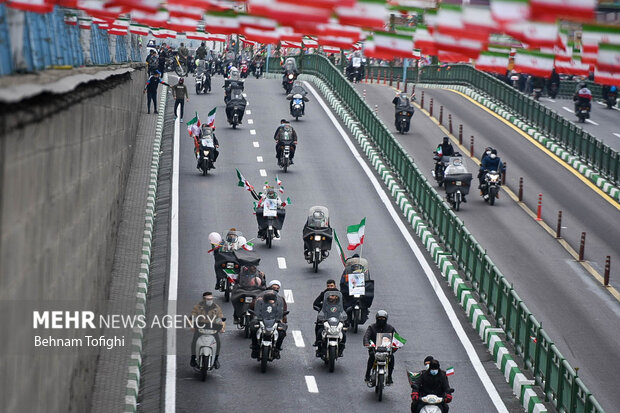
(282, 263)
(311, 383)
(288, 296)
(256, 145)
(259, 159)
(299, 340)
(252, 131)
(565, 108)
(263, 172)
(592, 122)
(617, 135)
(248, 112)
(250, 121)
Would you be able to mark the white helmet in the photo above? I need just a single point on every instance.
(274, 282)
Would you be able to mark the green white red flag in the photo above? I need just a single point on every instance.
(608, 57)
(450, 371)
(506, 11)
(493, 62)
(371, 14)
(211, 118)
(343, 257)
(392, 45)
(607, 78)
(552, 10)
(355, 234)
(534, 63)
(398, 341)
(572, 67)
(244, 182)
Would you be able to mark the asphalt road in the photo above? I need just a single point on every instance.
(325, 173)
(604, 123)
(574, 308)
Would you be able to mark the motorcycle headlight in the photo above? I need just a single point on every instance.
(205, 153)
(317, 237)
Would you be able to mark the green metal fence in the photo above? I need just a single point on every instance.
(551, 371)
(599, 156)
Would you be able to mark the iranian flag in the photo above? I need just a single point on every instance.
(331, 49)
(461, 45)
(288, 13)
(608, 57)
(96, 8)
(333, 28)
(221, 23)
(256, 22)
(71, 19)
(36, 6)
(262, 36)
(211, 118)
(336, 42)
(217, 37)
(534, 34)
(343, 257)
(593, 34)
(607, 78)
(183, 10)
(85, 23)
(493, 62)
(534, 63)
(309, 42)
(398, 341)
(393, 44)
(120, 27)
(157, 19)
(450, 20)
(102, 24)
(150, 6)
(194, 121)
(355, 234)
(450, 371)
(181, 24)
(423, 40)
(478, 21)
(140, 29)
(199, 35)
(371, 14)
(572, 67)
(552, 10)
(244, 182)
(506, 11)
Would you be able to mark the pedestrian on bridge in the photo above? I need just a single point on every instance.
(179, 92)
(151, 90)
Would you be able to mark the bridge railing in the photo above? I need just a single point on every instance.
(551, 371)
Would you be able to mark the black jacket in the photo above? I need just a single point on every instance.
(427, 384)
(318, 302)
(276, 135)
(373, 329)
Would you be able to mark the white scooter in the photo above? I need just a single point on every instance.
(206, 347)
(432, 404)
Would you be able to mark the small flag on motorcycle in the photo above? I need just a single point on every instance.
(398, 341)
(194, 120)
(278, 181)
(281, 189)
(211, 118)
(355, 234)
(450, 371)
(343, 257)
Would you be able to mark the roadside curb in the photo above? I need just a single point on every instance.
(492, 337)
(574, 161)
(135, 360)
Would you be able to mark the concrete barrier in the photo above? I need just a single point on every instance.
(64, 162)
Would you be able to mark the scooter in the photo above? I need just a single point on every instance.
(206, 347)
(432, 403)
(583, 113)
(285, 158)
(297, 106)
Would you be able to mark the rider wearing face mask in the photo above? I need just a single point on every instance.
(380, 326)
(207, 311)
(492, 162)
(431, 381)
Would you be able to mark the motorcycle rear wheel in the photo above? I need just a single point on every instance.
(355, 321)
(285, 166)
(204, 367)
(379, 388)
(247, 329)
(331, 358)
(269, 239)
(264, 358)
(227, 290)
(315, 261)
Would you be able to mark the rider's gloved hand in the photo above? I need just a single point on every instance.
(415, 396)
(448, 398)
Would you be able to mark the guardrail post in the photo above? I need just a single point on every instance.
(364, 94)
(405, 82)
(377, 76)
(450, 123)
(558, 229)
(460, 134)
(366, 76)
(376, 107)
(441, 114)
(520, 189)
(582, 246)
(430, 110)
(504, 174)
(539, 209)
(391, 78)
(607, 269)
(385, 76)
(471, 146)
(422, 100)
(398, 82)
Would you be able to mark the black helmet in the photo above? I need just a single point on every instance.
(582, 85)
(381, 314)
(446, 139)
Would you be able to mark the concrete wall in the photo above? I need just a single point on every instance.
(64, 162)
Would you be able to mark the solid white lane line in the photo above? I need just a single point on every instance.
(592, 122)
(617, 134)
(252, 132)
(263, 172)
(250, 121)
(551, 100)
(259, 159)
(173, 283)
(248, 112)
(282, 263)
(565, 108)
(288, 296)
(311, 384)
(256, 145)
(441, 296)
(299, 340)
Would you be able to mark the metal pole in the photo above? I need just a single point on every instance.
(441, 114)
(520, 189)
(267, 60)
(582, 246)
(460, 134)
(558, 229)
(607, 268)
(539, 210)
(471, 146)
(405, 65)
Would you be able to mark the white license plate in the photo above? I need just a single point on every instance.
(459, 183)
(230, 265)
(249, 299)
(317, 237)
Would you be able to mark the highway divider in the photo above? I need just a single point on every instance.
(455, 249)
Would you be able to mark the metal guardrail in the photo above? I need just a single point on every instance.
(33, 41)
(550, 369)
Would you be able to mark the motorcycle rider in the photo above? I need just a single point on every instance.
(318, 220)
(230, 242)
(201, 52)
(272, 195)
(443, 149)
(270, 295)
(583, 97)
(333, 300)
(278, 136)
(401, 103)
(206, 311)
(207, 131)
(253, 280)
(431, 381)
(353, 264)
(289, 66)
(298, 88)
(380, 326)
(330, 285)
(456, 167)
(492, 162)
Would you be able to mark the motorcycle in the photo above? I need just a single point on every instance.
(354, 74)
(611, 99)
(331, 317)
(206, 347)
(537, 92)
(270, 218)
(440, 167)
(288, 83)
(380, 368)
(403, 120)
(258, 71)
(317, 236)
(583, 113)
(267, 333)
(298, 106)
(203, 81)
(432, 403)
(180, 67)
(490, 186)
(358, 291)
(235, 107)
(227, 266)
(457, 186)
(204, 155)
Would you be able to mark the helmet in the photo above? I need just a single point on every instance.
(582, 85)
(202, 43)
(381, 314)
(274, 282)
(271, 193)
(231, 237)
(446, 139)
